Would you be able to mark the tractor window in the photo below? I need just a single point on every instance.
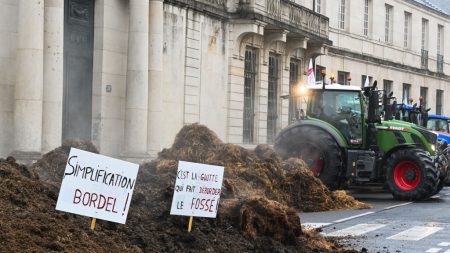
(440, 125)
(342, 109)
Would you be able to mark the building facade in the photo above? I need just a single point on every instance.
(129, 74)
(399, 43)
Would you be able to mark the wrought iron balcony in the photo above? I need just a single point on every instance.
(440, 63)
(424, 59)
(288, 13)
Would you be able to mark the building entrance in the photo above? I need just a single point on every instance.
(78, 55)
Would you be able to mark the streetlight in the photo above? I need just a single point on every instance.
(331, 77)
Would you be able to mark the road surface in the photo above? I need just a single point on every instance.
(390, 226)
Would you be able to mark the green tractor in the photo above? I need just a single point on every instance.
(345, 142)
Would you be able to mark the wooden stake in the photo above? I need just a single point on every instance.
(190, 224)
(93, 223)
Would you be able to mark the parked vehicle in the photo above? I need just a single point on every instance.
(344, 141)
(437, 123)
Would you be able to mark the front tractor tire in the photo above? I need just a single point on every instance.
(317, 148)
(411, 174)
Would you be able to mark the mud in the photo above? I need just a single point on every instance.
(258, 211)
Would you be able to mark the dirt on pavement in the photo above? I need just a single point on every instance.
(258, 211)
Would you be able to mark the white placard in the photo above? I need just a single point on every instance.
(97, 186)
(197, 190)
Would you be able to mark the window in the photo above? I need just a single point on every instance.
(293, 81)
(343, 78)
(319, 69)
(272, 96)
(407, 31)
(440, 39)
(341, 16)
(249, 95)
(388, 24)
(439, 94)
(424, 96)
(387, 86)
(319, 6)
(406, 93)
(326, 106)
(363, 80)
(424, 44)
(366, 18)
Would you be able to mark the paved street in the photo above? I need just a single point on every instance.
(390, 226)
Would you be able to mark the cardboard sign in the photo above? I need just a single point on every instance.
(197, 190)
(97, 186)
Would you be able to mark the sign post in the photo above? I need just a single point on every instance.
(197, 190)
(97, 186)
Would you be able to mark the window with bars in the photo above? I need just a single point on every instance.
(272, 96)
(407, 31)
(387, 86)
(439, 106)
(250, 70)
(343, 78)
(341, 14)
(366, 18)
(424, 96)
(388, 24)
(293, 81)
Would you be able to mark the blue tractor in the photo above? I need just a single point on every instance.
(439, 125)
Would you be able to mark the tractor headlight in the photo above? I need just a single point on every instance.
(433, 147)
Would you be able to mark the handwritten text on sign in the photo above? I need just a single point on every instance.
(97, 186)
(197, 190)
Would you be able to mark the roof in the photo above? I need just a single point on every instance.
(434, 116)
(333, 87)
(438, 5)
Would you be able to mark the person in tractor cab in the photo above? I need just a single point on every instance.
(339, 109)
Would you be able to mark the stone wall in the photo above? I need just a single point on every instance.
(8, 45)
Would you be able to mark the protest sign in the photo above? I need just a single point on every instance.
(197, 190)
(97, 186)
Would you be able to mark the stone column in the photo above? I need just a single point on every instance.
(53, 74)
(29, 80)
(136, 109)
(155, 71)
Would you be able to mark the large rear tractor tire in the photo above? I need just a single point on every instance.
(317, 148)
(411, 174)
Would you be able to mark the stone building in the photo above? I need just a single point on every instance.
(128, 74)
(403, 44)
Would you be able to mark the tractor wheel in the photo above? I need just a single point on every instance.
(411, 174)
(439, 163)
(317, 148)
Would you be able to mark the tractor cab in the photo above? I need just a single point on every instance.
(342, 107)
(438, 123)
